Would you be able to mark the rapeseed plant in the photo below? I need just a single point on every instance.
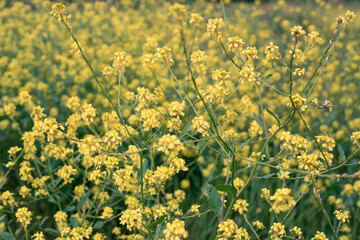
(143, 120)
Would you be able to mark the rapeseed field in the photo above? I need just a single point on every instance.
(179, 120)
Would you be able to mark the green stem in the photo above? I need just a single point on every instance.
(317, 195)
(321, 61)
(112, 104)
(225, 18)
(251, 227)
(120, 76)
(316, 141)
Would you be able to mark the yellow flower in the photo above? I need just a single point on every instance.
(178, 11)
(24, 191)
(196, 19)
(277, 231)
(175, 230)
(170, 143)
(176, 109)
(112, 139)
(297, 231)
(13, 150)
(23, 216)
(235, 44)
(299, 102)
(38, 236)
(241, 234)
(259, 225)
(9, 110)
(282, 201)
(120, 61)
(58, 10)
(313, 38)
(227, 228)
(194, 209)
(241, 206)
(213, 27)
(319, 236)
(132, 219)
(88, 113)
(220, 75)
(297, 31)
(250, 53)
(299, 72)
(238, 183)
(198, 57)
(165, 54)
(99, 236)
(148, 60)
(272, 51)
(185, 184)
(248, 73)
(107, 213)
(341, 216)
(7, 198)
(355, 138)
(200, 125)
(65, 173)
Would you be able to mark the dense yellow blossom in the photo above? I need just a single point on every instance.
(23, 216)
(178, 120)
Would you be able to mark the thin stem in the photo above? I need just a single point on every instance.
(317, 195)
(316, 141)
(321, 60)
(251, 227)
(112, 104)
(302, 194)
(225, 18)
(262, 110)
(120, 76)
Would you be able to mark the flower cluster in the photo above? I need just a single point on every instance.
(183, 126)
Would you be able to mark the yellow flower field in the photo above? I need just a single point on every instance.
(179, 120)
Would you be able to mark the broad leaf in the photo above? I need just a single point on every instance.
(257, 119)
(6, 236)
(226, 188)
(213, 198)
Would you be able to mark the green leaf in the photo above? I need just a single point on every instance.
(74, 222)
(52, 199)
(267, 176)
(144, 169)
(98, 225)
(231, 143)
(123, 110)
(70, 208)
(17, 232)
(187, 126)
(158, 221)
(213, 198)
(52, 231)
(83, 199)
(267, 152)
(341, 151)
(78, 158)
(233, 166)
(257, 119)
(244, 144)
(226, 188)
(43, 220)
(267, 77)
(272, 114)
(6, 236)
